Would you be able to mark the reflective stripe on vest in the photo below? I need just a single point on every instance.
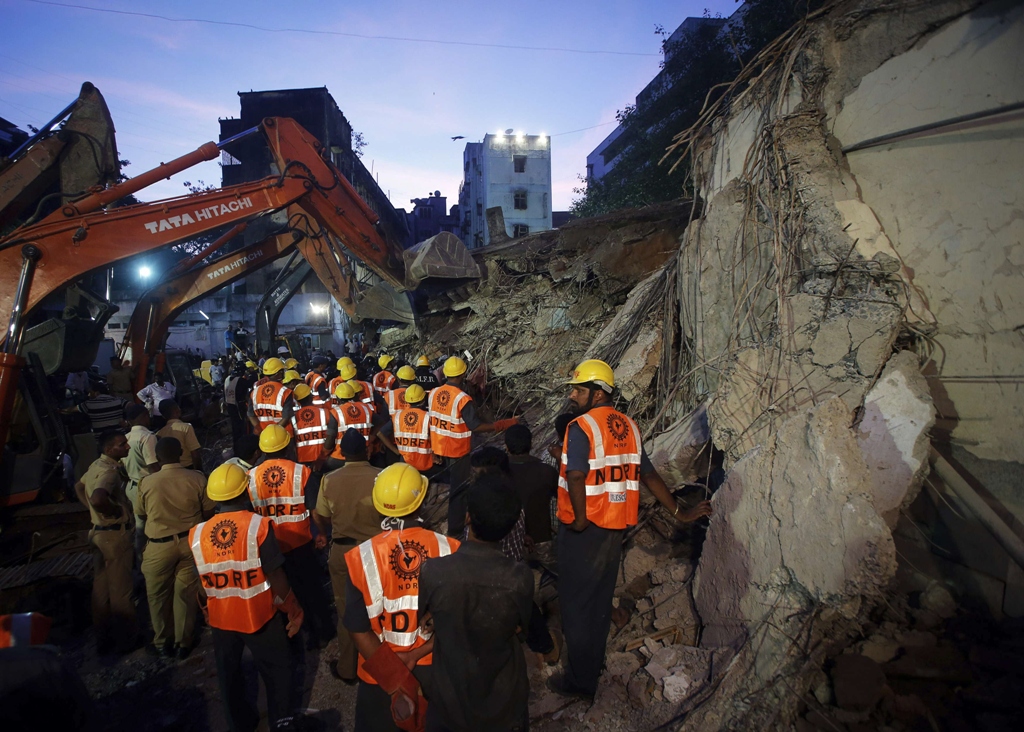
(613, 477)
(314, 381)
(449, 435)
(383, 380)
(385, 570)
(276, 491)
(354, 415)
(412, 437)
(309, 425)
(268, 402)
(227, 553)
(395, 399)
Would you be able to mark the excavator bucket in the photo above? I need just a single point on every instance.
(383, 302)
(443, 257)
(68, 161)
(70, 343)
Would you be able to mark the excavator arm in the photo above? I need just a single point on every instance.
(83, 235)
(157, 308)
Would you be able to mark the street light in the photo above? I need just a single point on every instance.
(145, 272)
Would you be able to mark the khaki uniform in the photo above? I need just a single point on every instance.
(184, 433)
(141, 453)
(113, 613)
(346, 498)
(172, 501)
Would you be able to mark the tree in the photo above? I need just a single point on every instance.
(693, 66)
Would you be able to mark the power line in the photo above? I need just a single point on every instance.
(362, 36)
(584, 129)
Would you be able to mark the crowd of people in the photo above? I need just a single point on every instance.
(331, 464)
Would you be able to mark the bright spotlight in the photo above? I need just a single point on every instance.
(145, 272)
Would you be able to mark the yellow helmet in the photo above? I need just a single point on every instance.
(291, 363)
(226, 482)
(250, 365)
(594, 371)
(399, 490)
(301, 392)
(274, 438)
(345, 361)
(384, 360)
(422, 361)
(272, 366)
(406, 373)
(415, 394)
(344, 390)
(454, 366)
(292, 375)
(348, 372)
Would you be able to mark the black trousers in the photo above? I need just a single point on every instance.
(458, 498)
(306, 576)
(538, 638)
(373, 709)
(270, 651)
(588, 562)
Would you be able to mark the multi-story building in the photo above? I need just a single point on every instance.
(510, 170)
(430, 216)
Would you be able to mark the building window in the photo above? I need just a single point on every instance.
(519, 230)
(479, 209)
(519, 161)
(519, 202)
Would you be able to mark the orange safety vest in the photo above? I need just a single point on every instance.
(613, 481)
(449, 435)
(227, 553)
(309, 426)
(395, 399)
(412, 437)
(314, 381)
(268, 402)
(276, 488)
(383, 380)
(386, 570)
(354, 415)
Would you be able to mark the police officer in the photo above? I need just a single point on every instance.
(171, 502)
(603, 464)
(241, 571)
(382, 599)
(111, 538)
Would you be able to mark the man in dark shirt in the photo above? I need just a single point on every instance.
(478, 679)
(536, 483)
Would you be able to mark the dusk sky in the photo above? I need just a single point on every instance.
(167, 83)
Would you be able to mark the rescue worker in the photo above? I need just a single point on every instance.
(411, 430)
(241, 569)
(603, 464)
(309, 426)
(365, 392)
(339, 379)
(394, 398)
(345, 517)
(291, 364)
(270, 398)
(382, 600)
(292, 378)
(348, 414)
(318, 384)
(102, 491)
(383, 379)
(453, 420)
(171, 502)
(183, 432)
(425, 375)
(277, 488)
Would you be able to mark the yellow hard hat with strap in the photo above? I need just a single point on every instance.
(301, 392)
(291, 363)
(593, 371)
(227, 481)
(384, 360)
(415, 394)
(348, 372)
(422, 361)
(406, 373)
(344, 361)
(454, 366)
(272, 366)
(344, 390)
(274, 438)
(399, 490)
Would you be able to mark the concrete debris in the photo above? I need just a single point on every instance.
(894, 435)
(939, 600)
(682, 453)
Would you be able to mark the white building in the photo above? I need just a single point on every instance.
(510, 170)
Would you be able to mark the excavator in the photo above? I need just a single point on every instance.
(337, 231)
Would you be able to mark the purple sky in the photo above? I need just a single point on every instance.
(167, 83)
